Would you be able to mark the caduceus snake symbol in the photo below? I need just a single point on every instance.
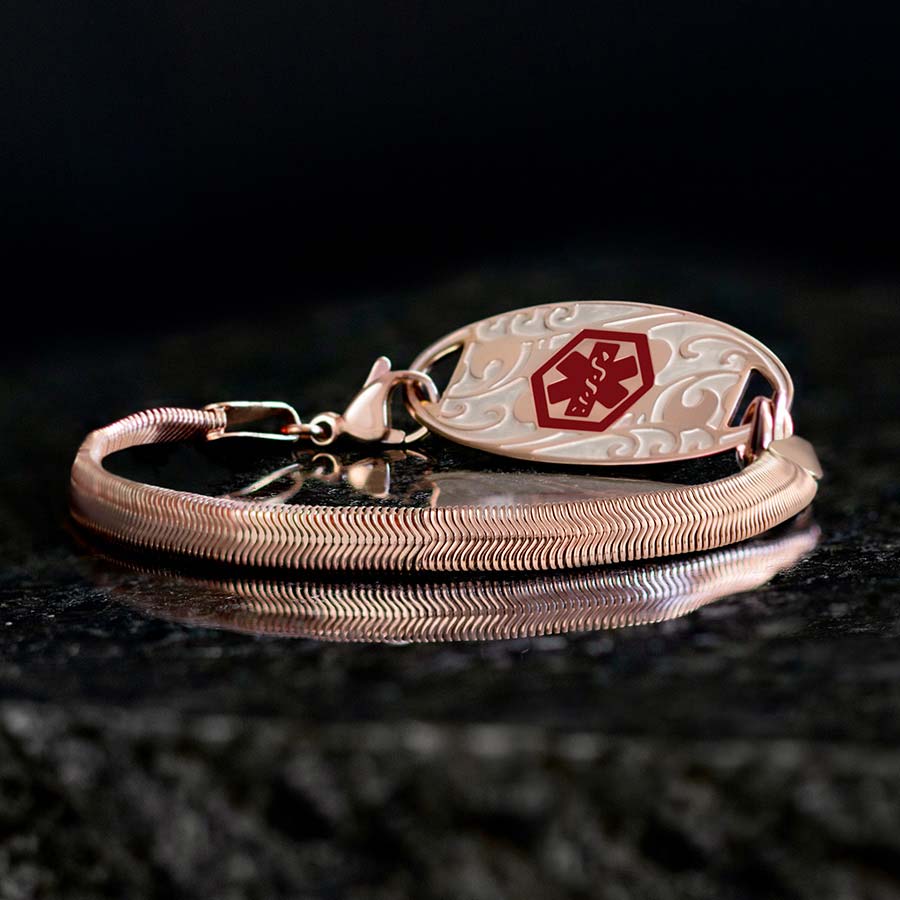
(593, 379)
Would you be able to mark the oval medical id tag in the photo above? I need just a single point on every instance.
(598, 382)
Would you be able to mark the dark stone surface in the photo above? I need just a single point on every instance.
(751, 749)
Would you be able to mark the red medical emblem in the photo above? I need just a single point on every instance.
(593, 380)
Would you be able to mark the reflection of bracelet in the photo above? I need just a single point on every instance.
(485, 607)
(586, 383)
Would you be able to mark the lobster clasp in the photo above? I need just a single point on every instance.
(368, 416)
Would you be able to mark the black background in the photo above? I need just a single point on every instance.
(182, 160)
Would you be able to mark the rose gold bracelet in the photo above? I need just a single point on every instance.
(584, 383)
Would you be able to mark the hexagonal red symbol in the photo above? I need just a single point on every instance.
(589, 383)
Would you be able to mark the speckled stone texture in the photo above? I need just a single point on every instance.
(751, 749)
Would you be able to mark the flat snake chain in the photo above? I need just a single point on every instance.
(674, 520)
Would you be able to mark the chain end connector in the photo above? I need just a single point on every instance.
(241, 413)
